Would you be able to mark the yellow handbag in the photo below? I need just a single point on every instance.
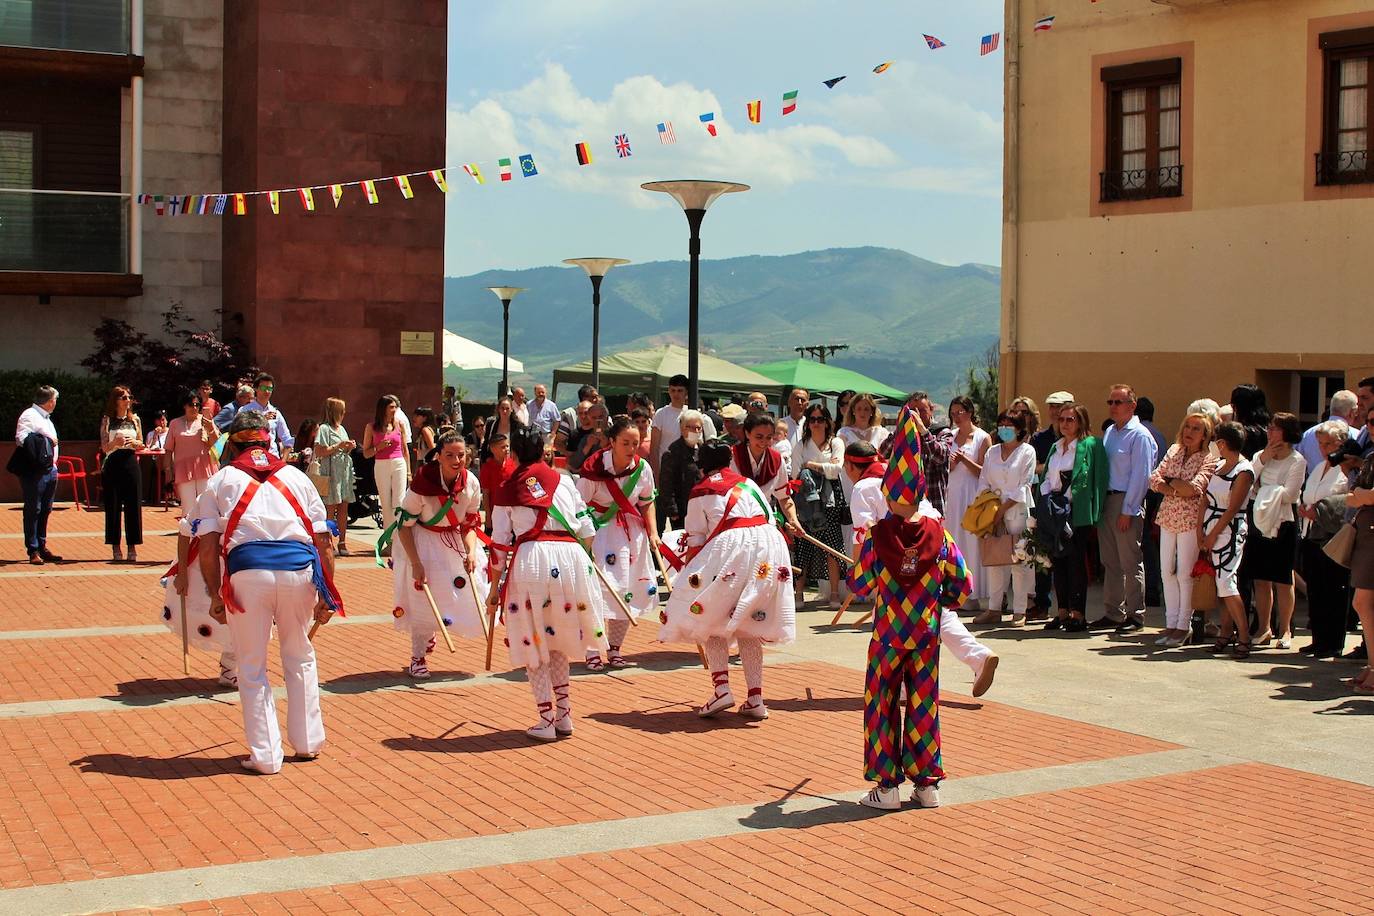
(981, 514)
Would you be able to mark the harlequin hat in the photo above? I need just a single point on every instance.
(905, 480)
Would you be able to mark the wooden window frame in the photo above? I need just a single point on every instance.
(1150, 75)
(1336, 48)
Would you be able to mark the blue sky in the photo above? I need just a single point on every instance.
(909, 159)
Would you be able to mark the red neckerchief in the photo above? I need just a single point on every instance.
(430, 482)
(772, 460)
(876, 469)
(908, 550)
(258, 463)
(531, 486)
(717, 484)
(595, 469)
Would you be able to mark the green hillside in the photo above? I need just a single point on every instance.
(908, 322)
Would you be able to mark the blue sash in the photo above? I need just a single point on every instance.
(282, 555)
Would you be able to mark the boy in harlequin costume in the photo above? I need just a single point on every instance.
(912, 568)
(552, 602)
(867, 505)
(438, 524)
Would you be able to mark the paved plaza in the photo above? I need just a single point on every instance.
(1099, 775)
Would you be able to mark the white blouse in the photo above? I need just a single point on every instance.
(831, 457)
(1062, 459)
(1012, 477)
(873, 435)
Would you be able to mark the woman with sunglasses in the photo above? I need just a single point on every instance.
(820, 454)
(121, 439)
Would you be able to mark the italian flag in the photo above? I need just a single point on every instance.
(505, 169)
(789, 102)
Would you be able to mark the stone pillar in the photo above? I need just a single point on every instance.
(324, 92)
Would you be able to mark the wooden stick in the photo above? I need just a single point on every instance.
(185, 640)
(481, 611)
(314, 628)
(701, 650)
(844, 607)
(615, 593)
(438, 618)
(830, 550)
(864, 619)
(663, 568)
(491, 629)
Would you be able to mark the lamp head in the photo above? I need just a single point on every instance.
(596, 267)
(693, 194)
(506, 293)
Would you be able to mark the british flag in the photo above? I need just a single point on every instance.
(933, 42)
(622, 145)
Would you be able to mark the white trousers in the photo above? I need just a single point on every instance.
(390, 474)
(955, 637)
(1022, 578)
(1177, 554)
(288, 598)
(187, 492)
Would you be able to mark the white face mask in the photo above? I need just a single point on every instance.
(692, 438)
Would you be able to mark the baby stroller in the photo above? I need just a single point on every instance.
(366, 503)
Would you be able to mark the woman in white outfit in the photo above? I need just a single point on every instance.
(1223, 531)
(1271, 550)
(735, 586)
(966, 464)
(551, 598)
(438, 525)
(1008, 468)
(618, 486)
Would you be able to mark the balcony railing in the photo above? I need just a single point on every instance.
(1350, 167)
(64, 231)
(100, 26)
(1142, 184)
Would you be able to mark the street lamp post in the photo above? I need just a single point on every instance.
(505, 294)
(596, 269)
(694, 197)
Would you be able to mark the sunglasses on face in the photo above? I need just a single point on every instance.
(1113, 402)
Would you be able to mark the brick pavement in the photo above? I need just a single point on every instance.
(89, 798)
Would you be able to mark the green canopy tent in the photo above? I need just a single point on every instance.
(649, 370)
(822, 378)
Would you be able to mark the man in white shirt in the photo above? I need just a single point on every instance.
(520, 406)
(267, 556)
(665, 429)
(543, 413)
(37, 472)
(797, 402)
(263, 386)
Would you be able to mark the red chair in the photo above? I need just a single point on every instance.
(74, 469)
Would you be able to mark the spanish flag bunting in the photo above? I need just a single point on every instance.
(504, 165)
(789, 102)
(403, 183)
(240, 205)
(370, 191)
(307, 198)
(274, 198)
(755, 109)
(336, 192)
(882, 68)
(439, 180)
(476, 173)
(584, 154)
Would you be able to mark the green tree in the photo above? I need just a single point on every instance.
(980, 384)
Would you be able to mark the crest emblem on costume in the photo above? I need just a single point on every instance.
(258, 457)
(909, 562)
(535, 487)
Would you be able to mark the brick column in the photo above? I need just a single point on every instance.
(323, 92)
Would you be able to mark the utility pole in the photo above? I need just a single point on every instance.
(821, 351)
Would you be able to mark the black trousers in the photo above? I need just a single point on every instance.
(1070, 573)
(120, 481)
(1328, 597)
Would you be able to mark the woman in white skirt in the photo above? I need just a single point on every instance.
(552, 602)
(618, 487)
(184, 579)
(735, 587)
(438, 524)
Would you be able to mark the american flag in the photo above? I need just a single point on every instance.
(665, 133)
(622, 145)
(990, 43)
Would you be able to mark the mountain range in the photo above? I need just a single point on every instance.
(907, 321)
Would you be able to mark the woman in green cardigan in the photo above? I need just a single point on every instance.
(1078, 461)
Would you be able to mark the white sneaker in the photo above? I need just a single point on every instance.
(1286, 642)
(883, 799)
(753, 708)
(418, 669)
(228, 678)
(718, 703)
(543, 732)
(926, 796)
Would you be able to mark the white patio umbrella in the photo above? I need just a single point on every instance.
(462, 353)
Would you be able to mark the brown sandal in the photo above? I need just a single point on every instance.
(1241, 649)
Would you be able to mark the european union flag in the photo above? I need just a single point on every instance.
(527, 166)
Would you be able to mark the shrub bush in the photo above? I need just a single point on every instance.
(80, 400)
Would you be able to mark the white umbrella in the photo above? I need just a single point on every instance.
(462, 353)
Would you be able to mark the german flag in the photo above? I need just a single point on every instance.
(584, 154)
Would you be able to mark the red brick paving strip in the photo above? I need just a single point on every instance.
(1186, 843)
(94, 795)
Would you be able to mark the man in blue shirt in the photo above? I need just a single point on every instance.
(543, 412)
(242, 396)
(1130, 459)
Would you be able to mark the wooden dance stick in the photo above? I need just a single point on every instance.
(481, 611)
(701, 650)
(185, 640)
(830, 550)
(491, 632)
(615, 593)
(844, 607)
(663, 568)
(438, 618)
(313, 629)
(864, 619)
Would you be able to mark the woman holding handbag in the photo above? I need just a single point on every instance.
(1008, 469)
(1181, 478)
(971, 445)
(1223, 532)
(1077, 465)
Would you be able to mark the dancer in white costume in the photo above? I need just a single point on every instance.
(736, 584)
(868, 506)
(267, 557)
(438, 523)
(183, 579)
(618, 487)
(550, 597)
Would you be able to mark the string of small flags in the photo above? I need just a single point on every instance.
(236, 203)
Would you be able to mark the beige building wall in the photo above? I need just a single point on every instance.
(182, 124)
(1255, 273)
